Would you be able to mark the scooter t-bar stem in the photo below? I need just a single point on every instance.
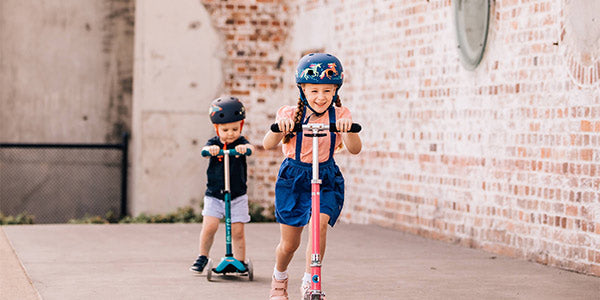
(226, 154)
(325, 127)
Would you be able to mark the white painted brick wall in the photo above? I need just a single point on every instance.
(504, 158)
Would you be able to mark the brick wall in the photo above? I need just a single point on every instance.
(257, 71)
(505, 158)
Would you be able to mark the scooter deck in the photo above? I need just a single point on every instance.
(230, 265)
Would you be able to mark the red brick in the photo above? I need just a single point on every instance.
(595, 270)
(572, 210)
(587, 154)
(586, 126)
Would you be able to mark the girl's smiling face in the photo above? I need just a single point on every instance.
(229, 132)
(319, 96)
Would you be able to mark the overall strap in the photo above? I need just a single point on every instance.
(299, 136)
(332, 134)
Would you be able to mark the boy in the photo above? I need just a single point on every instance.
(227, 115)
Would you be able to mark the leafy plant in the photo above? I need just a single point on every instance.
(182, 215)
(259, 214)
(22, 218)
(87, 219)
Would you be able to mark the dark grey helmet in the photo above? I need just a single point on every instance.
(226, 110)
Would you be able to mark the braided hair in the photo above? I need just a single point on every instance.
(297, 119)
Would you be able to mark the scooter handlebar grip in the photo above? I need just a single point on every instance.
(355, 127)
(275, 127)
(231, 152)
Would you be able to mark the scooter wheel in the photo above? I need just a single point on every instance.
(318, 297)
(250, 269)
(311, 296)
(209, 267)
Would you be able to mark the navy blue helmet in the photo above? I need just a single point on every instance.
(319, 68)
(226, 110)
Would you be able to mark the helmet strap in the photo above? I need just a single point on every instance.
(224, 146)
(217, 129)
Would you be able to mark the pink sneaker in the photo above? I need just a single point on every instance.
(278, 289)
(305, 291)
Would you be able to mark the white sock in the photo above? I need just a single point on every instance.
(279, 275)
(306, 278)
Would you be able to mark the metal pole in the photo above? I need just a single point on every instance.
(124, 167)
(228, 249)
(315, 265)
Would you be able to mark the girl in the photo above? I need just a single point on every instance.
(319, 77)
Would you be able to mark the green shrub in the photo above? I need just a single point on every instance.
(182, 215)
(186, 214)
(22, 218)
(109, 217)
(258, 213)
(87, 219)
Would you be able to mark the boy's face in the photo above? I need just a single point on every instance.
(229, 132)
(319, 96)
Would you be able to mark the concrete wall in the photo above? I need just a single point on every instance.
(177, 74)
(65, 70)
(65, 77)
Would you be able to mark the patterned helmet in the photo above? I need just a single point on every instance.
(320, 68)
(226, 110)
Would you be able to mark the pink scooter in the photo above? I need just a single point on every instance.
(316, 130)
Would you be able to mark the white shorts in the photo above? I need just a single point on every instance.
(215, 207)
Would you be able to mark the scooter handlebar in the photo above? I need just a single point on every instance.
(227, 152)
(355, 127)
(275, 127)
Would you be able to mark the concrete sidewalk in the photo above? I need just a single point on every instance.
(150, 261)
(14, 283)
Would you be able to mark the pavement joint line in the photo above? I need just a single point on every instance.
(11, 276)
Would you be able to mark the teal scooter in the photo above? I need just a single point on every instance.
(229, 264)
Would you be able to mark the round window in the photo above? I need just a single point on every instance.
(580, 40)
(471, 18)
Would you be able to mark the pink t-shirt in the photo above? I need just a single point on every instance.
(289, 148)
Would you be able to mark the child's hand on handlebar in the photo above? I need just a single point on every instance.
(343, 124)
(286, 125)
(243, 148)
(213, 150)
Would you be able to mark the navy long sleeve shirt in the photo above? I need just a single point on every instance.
(237, 171)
